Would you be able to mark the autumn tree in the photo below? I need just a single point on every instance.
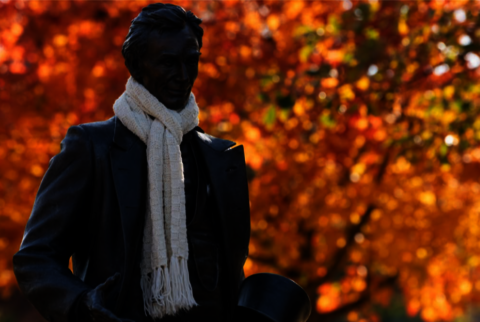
(359, 120)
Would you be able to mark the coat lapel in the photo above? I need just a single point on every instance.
(227, 173)
(129, 169)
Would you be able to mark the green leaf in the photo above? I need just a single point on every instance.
(302, 30)
(456, 106)
(443, 150)
(305, 53)
(270, 116)
(371, 33)
(334, 23)
(327, 120)
(347, 58)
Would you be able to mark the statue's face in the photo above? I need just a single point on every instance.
(170, 66)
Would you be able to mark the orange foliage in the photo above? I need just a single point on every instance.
(360, 122)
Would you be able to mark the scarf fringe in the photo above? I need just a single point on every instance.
(166, 290)
(181, 283)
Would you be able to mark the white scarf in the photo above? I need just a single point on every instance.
(165, 281)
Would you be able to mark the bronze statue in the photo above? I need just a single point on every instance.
(153, 211)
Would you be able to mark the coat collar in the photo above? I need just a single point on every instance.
(124, 138)
(217, 144)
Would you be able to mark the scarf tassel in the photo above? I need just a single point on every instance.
(181, 283)
(166, 290)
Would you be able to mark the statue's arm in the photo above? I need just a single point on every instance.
(56, 229)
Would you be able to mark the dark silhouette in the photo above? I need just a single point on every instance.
(92, 201)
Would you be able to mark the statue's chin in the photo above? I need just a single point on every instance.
(176, 103)
(176, 107)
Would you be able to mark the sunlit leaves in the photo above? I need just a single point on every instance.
(339, 105)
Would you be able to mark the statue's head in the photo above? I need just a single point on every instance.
(161, 52)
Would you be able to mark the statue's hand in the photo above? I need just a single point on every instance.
(94, 300)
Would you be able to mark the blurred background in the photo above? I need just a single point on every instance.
(360, 121)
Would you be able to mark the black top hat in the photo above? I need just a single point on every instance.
(269, 297)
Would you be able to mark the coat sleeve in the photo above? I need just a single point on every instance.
(56, 228)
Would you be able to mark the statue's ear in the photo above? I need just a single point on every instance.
(135, 69)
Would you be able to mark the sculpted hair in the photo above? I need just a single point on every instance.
(157, 16)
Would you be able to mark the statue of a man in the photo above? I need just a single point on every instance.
(153, 211)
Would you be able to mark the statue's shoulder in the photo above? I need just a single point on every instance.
(211, 141)
(100, 133)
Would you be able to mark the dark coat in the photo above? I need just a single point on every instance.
(91, 206)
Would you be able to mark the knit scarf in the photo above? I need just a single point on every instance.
(164, 272)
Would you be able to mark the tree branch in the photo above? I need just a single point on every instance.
(341, 253)
(270, 260)
(383, 166)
